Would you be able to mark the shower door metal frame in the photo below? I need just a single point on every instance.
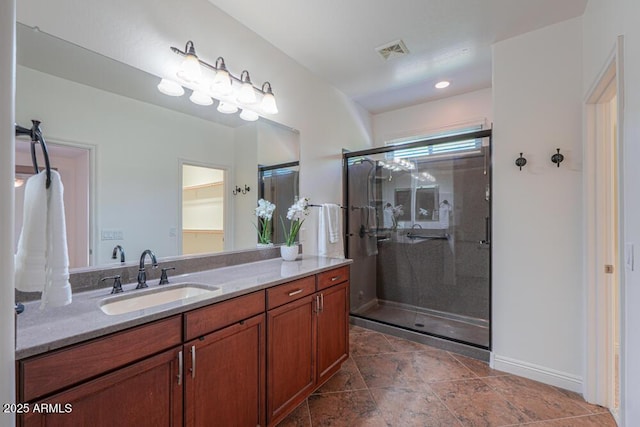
(479, 134)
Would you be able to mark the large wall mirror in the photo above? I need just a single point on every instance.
(121, 147)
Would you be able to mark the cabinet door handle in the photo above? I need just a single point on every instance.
(334, 278)
(180, 367)
(317, 309)
(296, 292)
(193, 361)
(321, 302)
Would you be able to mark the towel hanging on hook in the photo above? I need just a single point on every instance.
(36, 137)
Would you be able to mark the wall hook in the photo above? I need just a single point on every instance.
(521, 161)
(239, 190)
(557, 158)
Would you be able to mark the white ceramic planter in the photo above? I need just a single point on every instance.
(289, 253)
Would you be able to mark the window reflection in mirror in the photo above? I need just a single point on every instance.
(426, 203)
(279, 185)
(202, 209)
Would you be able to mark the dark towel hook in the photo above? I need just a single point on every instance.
(36, 137)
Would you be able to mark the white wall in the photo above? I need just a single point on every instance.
(423, 119)
(277, 144)
(537, 325)
(246, 172)
(7, 93)
(137, 145)
(603, 21)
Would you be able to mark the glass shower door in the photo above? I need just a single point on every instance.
(418, 232)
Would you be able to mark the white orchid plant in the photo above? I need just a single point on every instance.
(264, 212)
(296, 214)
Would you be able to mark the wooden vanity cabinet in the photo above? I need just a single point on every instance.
(248, 361)
(332, 331)
(225, 369)
(291, 377)
(145, 393)
(307, 338)
(130, 375)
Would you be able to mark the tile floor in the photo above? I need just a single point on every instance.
(389, 381)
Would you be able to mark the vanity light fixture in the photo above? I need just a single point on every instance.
(227, 108)
(171, 88)
(200, 98)
(248, 115)
(214, 82)
(247, 94)
(268, 100)
(190, 68)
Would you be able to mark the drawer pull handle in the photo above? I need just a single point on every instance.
(292, 293)
(193, 361)
(180, 367)
(334, 278)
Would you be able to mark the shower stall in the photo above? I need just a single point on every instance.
(418, 231)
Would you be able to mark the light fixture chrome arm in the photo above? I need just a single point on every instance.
(219, 66)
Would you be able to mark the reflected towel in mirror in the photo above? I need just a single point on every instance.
(42, 259)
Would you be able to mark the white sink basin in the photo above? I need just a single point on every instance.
(126, 303)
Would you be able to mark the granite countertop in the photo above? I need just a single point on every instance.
(39, 331)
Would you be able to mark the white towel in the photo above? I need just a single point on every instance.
(330, 240)
(42, 259)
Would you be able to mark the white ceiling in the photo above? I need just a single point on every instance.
(447, 39)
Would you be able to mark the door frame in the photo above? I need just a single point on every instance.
(601, 317)
(226, 210)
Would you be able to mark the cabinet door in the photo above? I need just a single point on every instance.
(333, 330)
(225, 376)
(290, 356)
(146, 393)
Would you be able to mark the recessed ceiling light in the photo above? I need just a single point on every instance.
(442, 84)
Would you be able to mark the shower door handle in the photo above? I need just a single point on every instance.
(486, 241)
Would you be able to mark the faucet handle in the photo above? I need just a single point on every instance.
(117, 285)
(163, 275)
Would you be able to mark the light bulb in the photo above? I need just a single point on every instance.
(247, 94)
(227, 107)
(442, 84)
(200, 98)
(248, 115)
(268, 104)
(221, 82)
(18, 182)
(171, 88)
(190, 69)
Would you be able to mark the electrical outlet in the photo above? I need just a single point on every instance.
(111, 235)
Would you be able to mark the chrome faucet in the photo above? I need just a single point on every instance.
(142, 274)
(115, 253)
(416, 225)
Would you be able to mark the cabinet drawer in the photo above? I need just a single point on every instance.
(291, 291)
(59, 369)
(333, 277)
(208, 319)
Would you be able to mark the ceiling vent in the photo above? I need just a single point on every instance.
(392, 50)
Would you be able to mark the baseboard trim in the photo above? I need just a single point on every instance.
(537, 373)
